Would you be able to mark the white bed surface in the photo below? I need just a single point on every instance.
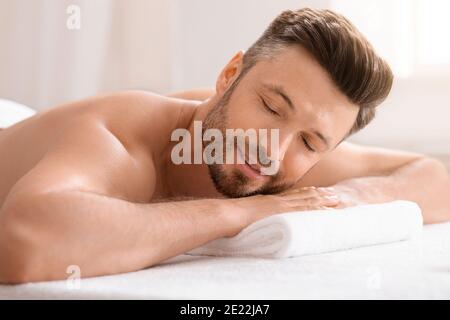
(402, 270)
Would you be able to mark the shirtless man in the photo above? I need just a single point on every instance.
(92, 183)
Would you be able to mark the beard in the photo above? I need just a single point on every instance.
(234, 184)
(231, 182)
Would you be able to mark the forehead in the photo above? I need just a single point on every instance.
(310, 88)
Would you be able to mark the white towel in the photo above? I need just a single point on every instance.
(313, 232)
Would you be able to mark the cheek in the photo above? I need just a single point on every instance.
(296, 164)
(246, 111)
(246, 116)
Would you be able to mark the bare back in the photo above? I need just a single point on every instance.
(129, 123)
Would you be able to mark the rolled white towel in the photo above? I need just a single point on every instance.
(313, 232)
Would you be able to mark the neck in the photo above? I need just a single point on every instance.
(191, 180)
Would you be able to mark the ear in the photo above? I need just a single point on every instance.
(230, 73)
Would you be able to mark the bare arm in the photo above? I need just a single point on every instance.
(68, 211)
(102, 235)
(45, 233)
(374, 175)
(62, 213)
(424, 181)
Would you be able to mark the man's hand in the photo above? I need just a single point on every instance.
(352, 194)
(246, 211)
(363, 175)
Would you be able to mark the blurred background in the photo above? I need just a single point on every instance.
(54, 51)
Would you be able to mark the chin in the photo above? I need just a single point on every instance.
(232, 183)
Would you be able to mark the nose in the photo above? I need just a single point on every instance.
(286, 139)
(278, 143)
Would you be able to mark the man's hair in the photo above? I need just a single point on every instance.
(350, 60)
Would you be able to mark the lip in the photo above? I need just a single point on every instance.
(251, 171)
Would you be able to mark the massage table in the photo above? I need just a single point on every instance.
(417, 269)
(401, 270)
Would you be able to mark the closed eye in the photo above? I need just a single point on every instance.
(268, 108)
(307, 145)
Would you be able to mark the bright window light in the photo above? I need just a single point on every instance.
(411, 34)
(433, 28)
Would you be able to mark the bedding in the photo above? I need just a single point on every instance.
(415, 269)
(402, 270)
(12, 112)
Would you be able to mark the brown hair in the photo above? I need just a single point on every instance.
(356, 69)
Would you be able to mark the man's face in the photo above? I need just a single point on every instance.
(292, 93)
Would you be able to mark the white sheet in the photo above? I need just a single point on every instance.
(402, 270)
(12, 112)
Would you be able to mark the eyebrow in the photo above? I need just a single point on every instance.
(323, 138)
(281, 92)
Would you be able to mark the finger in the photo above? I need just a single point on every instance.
(312, 208)
(296, 190)
(308, 194)
(308, 208)
(327, 208)
(302, 193)
(305, 192)
(315, 201)
(327, 190)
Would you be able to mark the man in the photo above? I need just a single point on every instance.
(93, 183)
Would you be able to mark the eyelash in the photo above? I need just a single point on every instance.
(269, 109)
(307, 145)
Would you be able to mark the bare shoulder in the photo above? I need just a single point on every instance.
(137, 118)
(129, 110)
(140, 118)
(122, 135)
(100, 144)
